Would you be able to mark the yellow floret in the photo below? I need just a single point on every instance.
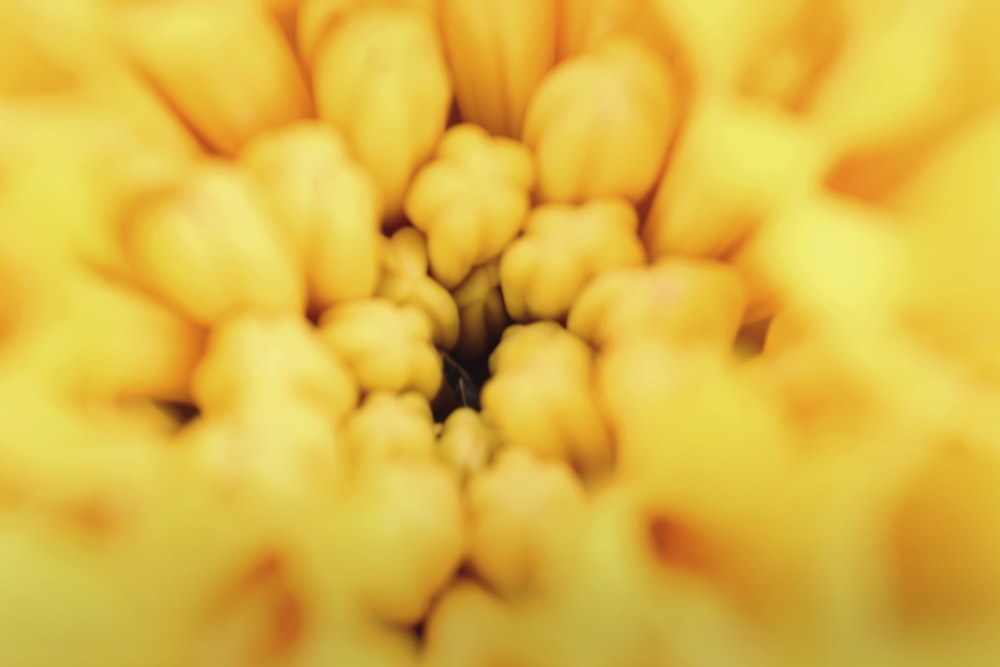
(471, 200)
(540, 396)
(408, 544)
(526, 519)
(498, 52)
(257, 364)
(721, 274)
(703, 210)
(621, 97)
(684, 301)
(467, 442)
(563, 247)
(953, 204)
(224, 66)
(325, 205)
(405, 280)
(390, 426)
(210, 249)
(481, 311)
(379, 75)
(265, 454)
(585, 23)
(387, 346)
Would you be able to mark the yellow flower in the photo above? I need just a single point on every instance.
(948, 499)
(748, 407)
(387, 346)
(619, 96)
(470, 201)
(527, 517)
(698, 401)
(705, 211)
(721, 41)
(471, 626)
(390, 426)
(254, 364)
(315, 19)
(379, 75)
(824, 255)
(262, 455)
(225, 66)
(540, 396)
(562, 248)
(49, 45)
(481, 312)
(67, 328)
(583, 24)
(859, 106)
(405, 280)
(211, 249)
(682, 301)
(325, 205)
(155, 359)
(953, 205)
(498, 51)
(408, 539)
(467, 442)
(97, 160)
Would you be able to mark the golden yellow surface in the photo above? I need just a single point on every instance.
(723, 278)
